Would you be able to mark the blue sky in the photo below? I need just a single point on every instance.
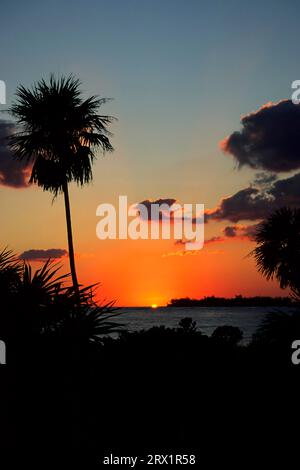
(181, 72)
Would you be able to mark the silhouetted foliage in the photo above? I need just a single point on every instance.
(39, 305)
(228, 334)
(87, 392)
(10, 268)
(188, 325)
(278, 328)
(278, 247)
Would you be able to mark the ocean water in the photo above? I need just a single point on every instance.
(207, 318)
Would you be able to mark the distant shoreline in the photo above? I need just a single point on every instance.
(237, 301)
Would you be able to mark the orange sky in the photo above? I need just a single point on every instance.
(141, 272)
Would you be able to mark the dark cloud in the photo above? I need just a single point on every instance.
(247, 204)
(12, 173)
(240, 231)
(42, 255)
(254, 203)
(269, 138)
(286, 192)
(148, 203)
(230, 231)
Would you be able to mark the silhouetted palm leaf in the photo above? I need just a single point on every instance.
(60, 132)
(10, 265)
(278, 328)
(39, 289)
(88, 323)
(278, 247)
(36, 304)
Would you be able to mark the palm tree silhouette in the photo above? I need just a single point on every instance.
(60, 133)
(278, 247)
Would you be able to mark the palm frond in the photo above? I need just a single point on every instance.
(277, 253)
(59, 132)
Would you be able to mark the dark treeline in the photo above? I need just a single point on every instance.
(161, 390)
(71, 389)
(237, 301)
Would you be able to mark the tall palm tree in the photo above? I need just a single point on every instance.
(278, 247)
(59, 135)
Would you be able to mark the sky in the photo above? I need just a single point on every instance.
(181, 75)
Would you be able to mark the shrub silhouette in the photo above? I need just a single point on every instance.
(40, 307)
(188, 325)
(228, 334)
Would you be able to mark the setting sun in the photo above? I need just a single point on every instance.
(153, 306)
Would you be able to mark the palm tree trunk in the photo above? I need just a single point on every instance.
(70, 238)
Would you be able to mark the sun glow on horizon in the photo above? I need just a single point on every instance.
(154, 306)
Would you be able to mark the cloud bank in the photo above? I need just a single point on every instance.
(255, 203)
(241, 231)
